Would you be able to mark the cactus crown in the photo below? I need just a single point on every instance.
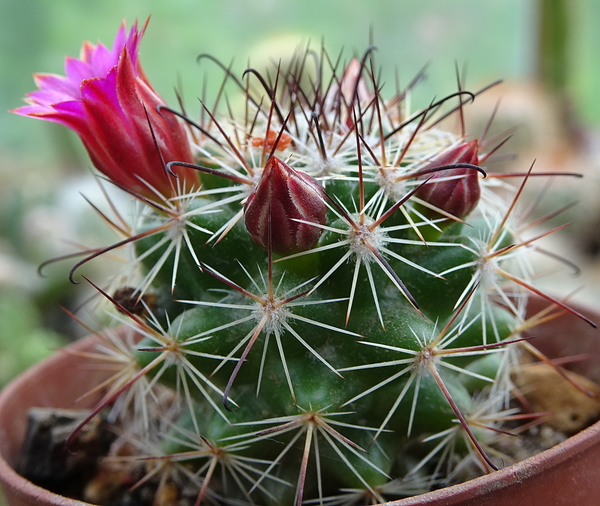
(331, 289)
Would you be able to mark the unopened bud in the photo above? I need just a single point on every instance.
(455, 190)
(284, 204)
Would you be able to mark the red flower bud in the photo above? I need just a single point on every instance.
(455, 191)
(353, 85)
(281, 198)
(352, 89)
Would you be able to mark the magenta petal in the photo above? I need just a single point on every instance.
(104, 110)
(126, 87)
(69, 114)
(46, 99)
(87, 52)
(102, 90)
(53, 84)
(121, 39)
(70, 108)
(133, 42)
(30, 110)
(102, 61)
(77, 71)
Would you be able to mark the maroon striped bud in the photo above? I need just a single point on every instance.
(281, 198)
(455, 190)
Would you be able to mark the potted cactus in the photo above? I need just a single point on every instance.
(325, 293)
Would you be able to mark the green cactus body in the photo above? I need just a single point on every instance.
(348, 331)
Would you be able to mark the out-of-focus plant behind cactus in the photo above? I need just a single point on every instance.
(325, 291)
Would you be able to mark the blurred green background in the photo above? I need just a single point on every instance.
(43, 168)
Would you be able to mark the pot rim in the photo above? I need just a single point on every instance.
(13, 483)
(511, 475)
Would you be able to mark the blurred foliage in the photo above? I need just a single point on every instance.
(22, 324)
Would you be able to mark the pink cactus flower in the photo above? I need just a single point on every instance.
(107, 100)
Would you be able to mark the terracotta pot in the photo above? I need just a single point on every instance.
(568, 474)
(55, 382)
